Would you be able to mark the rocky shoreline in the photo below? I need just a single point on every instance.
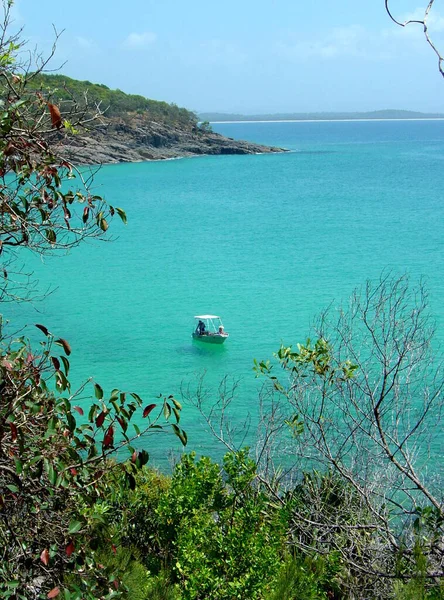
(117, 141)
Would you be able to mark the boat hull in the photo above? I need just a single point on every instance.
(212, 338)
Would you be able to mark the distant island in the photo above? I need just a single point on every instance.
(388, 114)
(132, 128)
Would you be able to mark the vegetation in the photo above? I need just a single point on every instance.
(113, 103)
(53, 453)
(332, 504)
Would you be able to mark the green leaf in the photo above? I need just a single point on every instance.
(51, 236)
(122, 215)
(65, 362)
(75, 526)
(98, 391)
(177, 404)
(52, 475)
(136, 397)
(180, 434)
(116, 406)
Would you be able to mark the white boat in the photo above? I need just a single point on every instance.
(209, 329)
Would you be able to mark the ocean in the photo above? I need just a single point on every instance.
(265, 241)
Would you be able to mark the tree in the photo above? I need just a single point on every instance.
(366, 402)
(45, 202)
(53, 453)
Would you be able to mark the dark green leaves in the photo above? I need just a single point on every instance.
(98, 391)
(181, 434)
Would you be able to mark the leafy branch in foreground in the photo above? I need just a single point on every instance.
(53, 458)
(46, 203)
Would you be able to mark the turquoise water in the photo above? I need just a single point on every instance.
(265, 241)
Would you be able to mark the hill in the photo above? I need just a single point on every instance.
(132, 128)
(388, 114)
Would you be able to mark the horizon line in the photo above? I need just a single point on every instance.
(328, 120)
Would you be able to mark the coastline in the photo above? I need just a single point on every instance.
(325, 120)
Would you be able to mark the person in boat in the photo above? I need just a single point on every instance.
(200, 329)
(221, 330)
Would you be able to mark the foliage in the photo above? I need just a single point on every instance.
(365, 402)
(53, 458)
(114, 103)
(212, 527)
(206, 127)
(307, 578)
(54, 496)
(45, 203)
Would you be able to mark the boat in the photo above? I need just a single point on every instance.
(209, 329)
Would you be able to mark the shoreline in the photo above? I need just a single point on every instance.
(326, 120)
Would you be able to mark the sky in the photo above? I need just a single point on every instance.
(247, 56)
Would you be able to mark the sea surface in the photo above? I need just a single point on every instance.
(265, 241)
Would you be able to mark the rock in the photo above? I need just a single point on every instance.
(138, 139)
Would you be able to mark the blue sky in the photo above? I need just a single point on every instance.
(247, 56)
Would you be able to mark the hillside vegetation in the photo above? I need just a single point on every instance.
(114, 102)
(98, 125)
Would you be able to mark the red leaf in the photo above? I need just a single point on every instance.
(100, 419)
(116, 584)
(56, 117)
(109, 438)
(134, 456)
(148, 409)
(114, 549)
(78, 409)
(55, 362)
(42, 328)
(66, 346)
(13, 431)
(44, 557)
(70, 548)
(53, 593)
(73, 471)
(85, 214)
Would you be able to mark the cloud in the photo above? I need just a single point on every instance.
(435, 22)
(84, 43)
(357, 41)
(139, 40)
(342, 41)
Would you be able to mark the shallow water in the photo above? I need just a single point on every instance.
(265, 241)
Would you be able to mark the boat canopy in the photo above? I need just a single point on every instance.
(207, 317)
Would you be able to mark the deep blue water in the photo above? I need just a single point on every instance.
(265, 241)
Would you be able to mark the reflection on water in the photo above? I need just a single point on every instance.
(197, 348)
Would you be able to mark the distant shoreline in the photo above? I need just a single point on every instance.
(327, 120)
